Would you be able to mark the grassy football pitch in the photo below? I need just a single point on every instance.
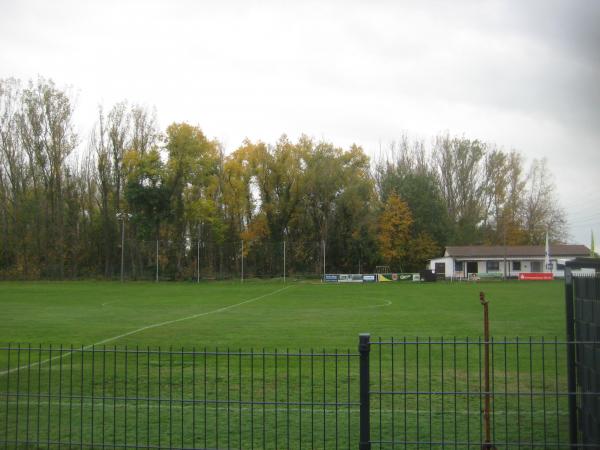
(274, 365)
(270, 314)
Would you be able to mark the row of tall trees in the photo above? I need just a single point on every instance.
(179, 202)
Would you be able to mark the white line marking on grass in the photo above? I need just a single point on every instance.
(194, 316)
(108, 303)
(387, 303)
(148, 327)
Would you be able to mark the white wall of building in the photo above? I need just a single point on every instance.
(449, 265)
(526, 266)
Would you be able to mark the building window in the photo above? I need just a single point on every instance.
(458, 266)
(516, 265)
(440, 268)
(492, 266)
(536, 266)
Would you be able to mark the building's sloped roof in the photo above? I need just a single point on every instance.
(481, 251)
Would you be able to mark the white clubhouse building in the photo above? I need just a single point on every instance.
(500, 261)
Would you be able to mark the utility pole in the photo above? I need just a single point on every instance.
(122, 246)
(504, 242)
(505, 275)
(324, 259)
(156, 261)
(122, 216)
(242, 261)
(198, 254)
(284, 260)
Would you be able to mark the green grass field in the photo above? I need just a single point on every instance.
(104, 396)
(275, 316)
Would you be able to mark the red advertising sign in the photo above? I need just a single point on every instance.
(536, 276)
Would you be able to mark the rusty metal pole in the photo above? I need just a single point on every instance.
(487, 445)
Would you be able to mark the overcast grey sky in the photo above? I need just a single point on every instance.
(524, 75)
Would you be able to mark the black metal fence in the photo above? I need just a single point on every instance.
(404, 394)
(175, 399)
(431, 393)
(583, 324)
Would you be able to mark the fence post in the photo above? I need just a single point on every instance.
(364, 347)
(571, 370)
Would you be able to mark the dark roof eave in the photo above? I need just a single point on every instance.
(516, 251)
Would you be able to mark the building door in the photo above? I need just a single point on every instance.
(440, 268)
(472, 267)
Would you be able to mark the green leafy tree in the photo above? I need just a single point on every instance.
(146, 192)
(460, 170)
(394, 232)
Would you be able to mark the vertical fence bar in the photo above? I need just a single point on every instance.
(405, 387)
(392, 389)
(103, 391)
(380, 389)
(205, 401)
(8, 396)
(29, 351)
(276, 402)
(312, 398)
(430, 393)
(264, 398)
(468, 399)
(229, 396)
(49, 429)
(556, 388)
(364, 348)
(216, 397)
(193, 396)
(518, 394)
(81, 402)
(148, 395)
(182, 400)
(287, 397)
(92, 385)
(442, 388)
(300, 406)
(571, 369)
(71, 357)
(417, 387)
(455, 393)
(240, 436)
(137, 393)
(159, 401)
(252, 398)
(114, 400)
(336, 398)
(348, 398)
(324, 401)
(505, 389)
(486, 337)
(18, 367)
